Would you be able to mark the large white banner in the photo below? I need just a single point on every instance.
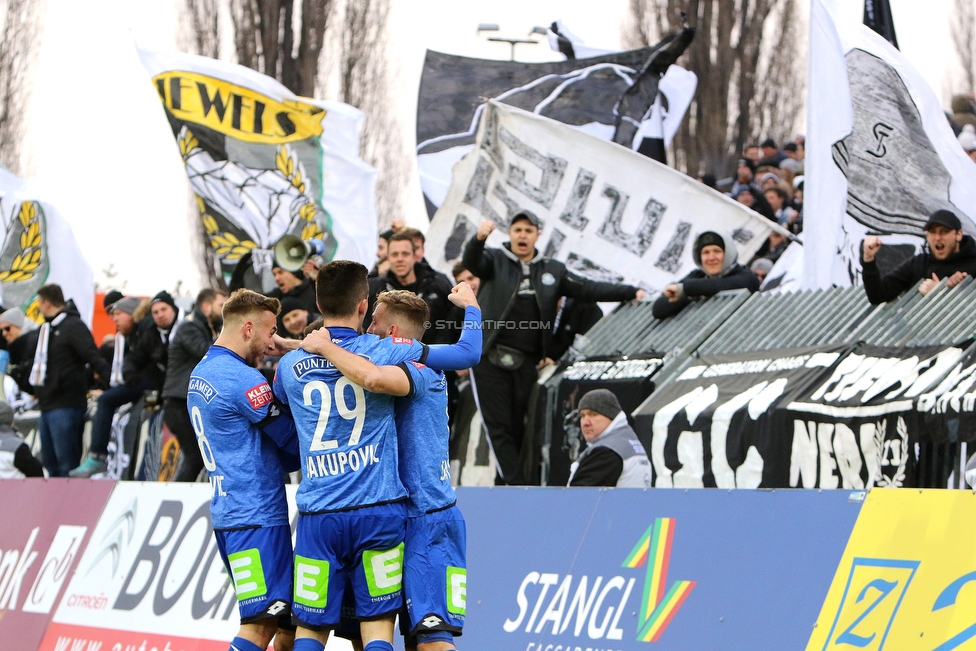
(263, 162)
(39, 247)
(609, 213)
(881, 157)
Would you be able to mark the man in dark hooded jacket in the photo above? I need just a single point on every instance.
(949, 254)
(718, 269)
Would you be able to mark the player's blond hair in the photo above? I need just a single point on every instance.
(244, 304)
(406, 309)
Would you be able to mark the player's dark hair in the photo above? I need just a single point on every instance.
(52, 294)
(340, 287)
(206, 296)
(403, 236)
(406, 309)
(244, 303)
(313, 326)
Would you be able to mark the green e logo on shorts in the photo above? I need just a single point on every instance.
(247, 573)
(384, 570)
(311, 582)
(457, 590)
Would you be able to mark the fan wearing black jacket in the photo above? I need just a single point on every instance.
(519, 294)
(950, 254)
(60, 350)
(187, 347)
(718, 269)
(408, 274)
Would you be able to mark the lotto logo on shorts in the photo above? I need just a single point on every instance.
(417, 364)
(457, 590)
(260, 395)
(384, 571)
(248, 574)
(311, 582)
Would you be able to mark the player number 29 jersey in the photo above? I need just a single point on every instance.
(347, 436)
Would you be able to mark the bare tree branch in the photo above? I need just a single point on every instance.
(747, 85)
(17, 40)
(963, 29)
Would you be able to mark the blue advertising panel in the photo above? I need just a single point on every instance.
(552, 569)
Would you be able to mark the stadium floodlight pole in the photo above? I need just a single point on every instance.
(512, 42)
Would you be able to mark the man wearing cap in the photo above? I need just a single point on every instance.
(613, 456)
(11, 327)
(293, 284)
(519, 294)
(771, 153)
(716, 257)
(16, 460)
(294, 317)
(188, 346)
(118, 393)
(949, 254)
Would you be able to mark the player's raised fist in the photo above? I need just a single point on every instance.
(871, 245)
(485, 229)
(463, 296)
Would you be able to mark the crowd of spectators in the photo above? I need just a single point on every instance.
(156, 345)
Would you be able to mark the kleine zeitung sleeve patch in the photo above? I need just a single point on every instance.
(260, 395)
(402, 340)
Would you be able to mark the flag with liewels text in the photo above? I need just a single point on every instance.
(608, 212)
(263, 162)
(38, 248)
(880, 155)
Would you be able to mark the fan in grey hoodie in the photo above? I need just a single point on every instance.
(718, 269)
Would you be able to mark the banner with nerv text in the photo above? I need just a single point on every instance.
(263, 162)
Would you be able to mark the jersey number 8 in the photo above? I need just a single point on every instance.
(357, 413)
(208, 457)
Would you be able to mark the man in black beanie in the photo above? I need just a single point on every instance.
(613, 456)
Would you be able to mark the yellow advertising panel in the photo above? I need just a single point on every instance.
(907, 580)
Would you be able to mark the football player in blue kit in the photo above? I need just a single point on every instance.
(248, 443)
(435, 571)
(351, 500)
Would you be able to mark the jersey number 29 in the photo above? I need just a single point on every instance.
(357, 413)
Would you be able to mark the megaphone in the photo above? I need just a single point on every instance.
(291, 252)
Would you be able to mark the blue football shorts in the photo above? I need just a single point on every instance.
(259, 563)
(435, 573)
(361, 549)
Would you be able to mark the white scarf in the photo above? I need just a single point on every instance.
(38, 372)
(117, 357)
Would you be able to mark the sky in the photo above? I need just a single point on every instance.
(100, 148)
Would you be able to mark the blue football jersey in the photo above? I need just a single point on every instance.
(226, 400)
(424, 439)
(347, 436)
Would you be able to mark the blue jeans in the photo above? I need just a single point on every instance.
(108, 403)
(61, 431)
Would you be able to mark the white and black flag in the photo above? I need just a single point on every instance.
(580, 92)
(881, 157)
